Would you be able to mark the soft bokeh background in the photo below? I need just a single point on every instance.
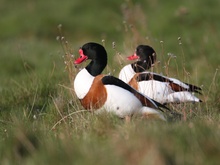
(29, 29)
(34, 93)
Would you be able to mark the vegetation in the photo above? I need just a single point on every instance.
(42, 122)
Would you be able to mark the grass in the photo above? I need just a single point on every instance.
(42, 122)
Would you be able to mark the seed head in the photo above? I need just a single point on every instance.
(113, 45)
(58, 38)
(59, 26)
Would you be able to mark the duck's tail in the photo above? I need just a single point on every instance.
(183, 96)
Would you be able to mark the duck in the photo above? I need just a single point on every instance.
(98, 92)
(160, 88)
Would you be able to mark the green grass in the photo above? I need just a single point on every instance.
(42, 122)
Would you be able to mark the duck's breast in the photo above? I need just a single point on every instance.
(82, 83)
(126, 73)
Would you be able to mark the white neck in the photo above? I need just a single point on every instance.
(82, 83)
(126, 73)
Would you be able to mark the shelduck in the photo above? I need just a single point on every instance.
(98, 92)
(158, 87)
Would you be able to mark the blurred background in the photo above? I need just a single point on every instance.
(28, 31)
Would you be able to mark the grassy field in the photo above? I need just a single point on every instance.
(42, 122)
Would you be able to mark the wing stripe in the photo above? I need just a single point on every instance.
(176, 87)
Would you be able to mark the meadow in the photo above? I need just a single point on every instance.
(42, 121)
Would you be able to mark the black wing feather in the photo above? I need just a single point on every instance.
(111, 80)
